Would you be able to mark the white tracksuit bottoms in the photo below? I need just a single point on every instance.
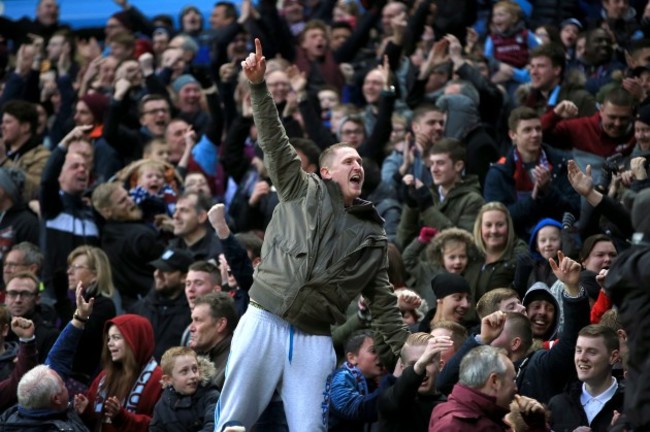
(268, 353)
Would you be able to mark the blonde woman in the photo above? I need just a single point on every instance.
(88, 267)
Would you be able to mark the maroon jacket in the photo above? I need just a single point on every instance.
(27, 359)
(584, 133)
(468, 410)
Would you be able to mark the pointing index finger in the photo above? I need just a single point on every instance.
(258, 49)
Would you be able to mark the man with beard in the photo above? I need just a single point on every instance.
(166, 306)
(129, 243)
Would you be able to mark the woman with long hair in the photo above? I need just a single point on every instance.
(123, 395)
(88, 267)
(495, 239)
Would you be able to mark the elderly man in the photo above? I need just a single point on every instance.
(42, 404)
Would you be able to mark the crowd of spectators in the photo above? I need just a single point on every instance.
(505, 145)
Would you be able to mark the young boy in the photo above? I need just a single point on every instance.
(151, 193)
(353, 388)
(189, 396)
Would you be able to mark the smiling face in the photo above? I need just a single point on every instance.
(116, 344)
(494, 230)
(616, 119)
(444, 171)
(602, 256)
(548, 241)
(528, 138)
(411, 356)
(344, 168)
(454, 256)
(185, 375)
(592, 359)
(454, 306)
(544, 76)
(542, 315)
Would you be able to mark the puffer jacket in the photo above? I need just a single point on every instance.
(459, 209)
(318, 255)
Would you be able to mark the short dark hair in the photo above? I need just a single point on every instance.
(231, 11)
(608, 334)
(221, 306)
(620, 97)
(424, 108)
(26, 275)
(148, 98)
(308, 148)
(555, 52)
(591, 241)
(206, 267)
(25, 112)
(251, 242)
(455, 148)
(520, 327)
(354, 342)
(519, 114)
(203, 202)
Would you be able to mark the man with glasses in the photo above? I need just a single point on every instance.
(22, 298)
(24, 256)
(154, 116)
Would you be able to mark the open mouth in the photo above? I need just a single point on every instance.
(356, 179)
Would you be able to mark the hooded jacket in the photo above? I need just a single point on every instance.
(540, 291)
(138, 335)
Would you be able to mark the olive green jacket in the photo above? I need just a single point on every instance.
(459, 209)
(318, 255)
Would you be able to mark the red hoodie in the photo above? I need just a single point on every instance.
(138, 335)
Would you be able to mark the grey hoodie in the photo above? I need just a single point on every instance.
(542, 290)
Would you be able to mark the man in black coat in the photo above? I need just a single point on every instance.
(593, 400)
(129, 243)
(408, 395)
(627, 285)
(42, 405)
(166, 306)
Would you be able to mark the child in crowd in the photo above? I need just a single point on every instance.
(509, 40)
(189, 396)
(152, 193)
(353, 389)
(157, 149)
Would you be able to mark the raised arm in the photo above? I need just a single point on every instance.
(280, 157)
